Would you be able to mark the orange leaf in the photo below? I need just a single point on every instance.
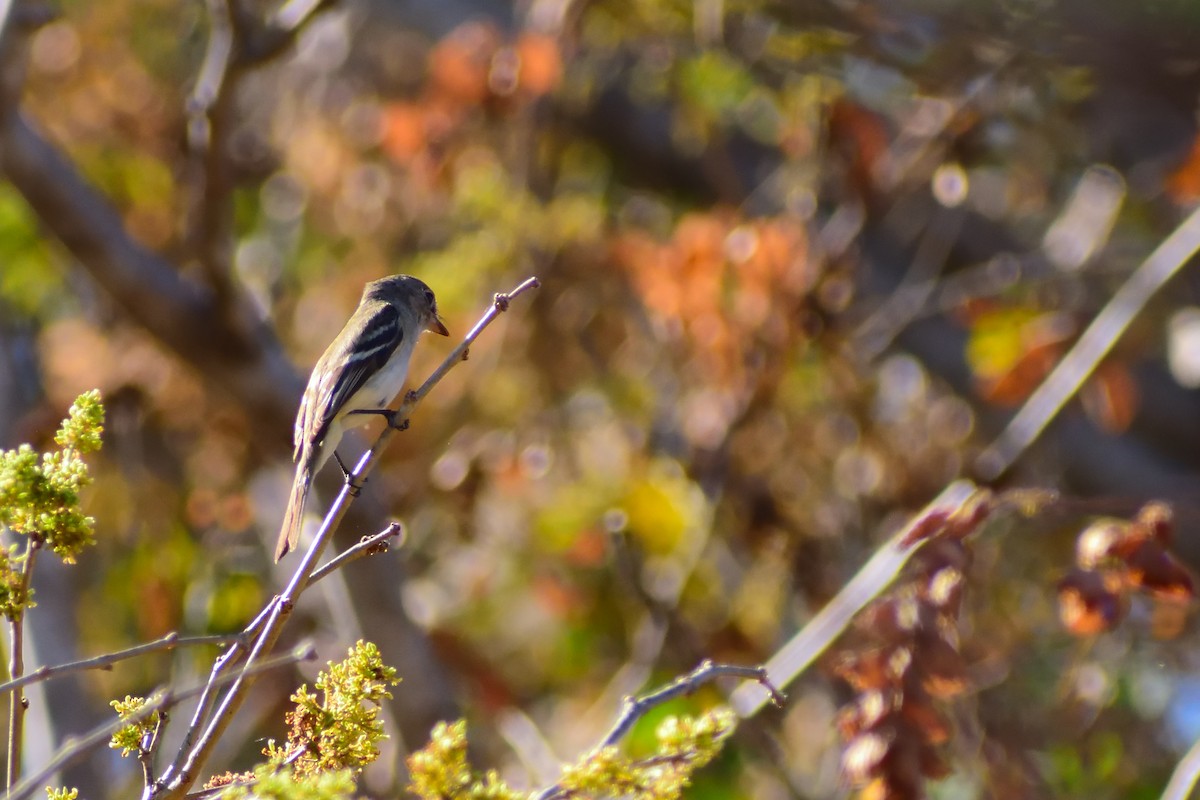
(1087, 605)
(541, 63)
(404, 134)
(1156, 572)
(459, 64)
(1183, 185)
(1110, 398)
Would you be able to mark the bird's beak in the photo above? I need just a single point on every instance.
(437, 326)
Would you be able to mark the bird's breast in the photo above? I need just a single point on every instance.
(382, 387)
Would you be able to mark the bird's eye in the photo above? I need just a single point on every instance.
(429, 298)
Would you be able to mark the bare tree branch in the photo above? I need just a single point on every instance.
(1186, 774)
(168, 642)
(369, 545)
(230, 347)
(876, 575)
(635, 708)
(1167, 259)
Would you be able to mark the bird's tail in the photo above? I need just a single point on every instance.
(289, 534)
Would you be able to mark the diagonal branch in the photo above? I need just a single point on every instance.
(1184, 778)
(231, 348)
(1095, 343)
(635, 708)
(876, 575)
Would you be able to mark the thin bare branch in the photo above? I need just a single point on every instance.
(1095, 343)
(635, 708)
(1184, 778)
(16, 665)
(876, 575)
(226, 661)
(168, 642)
(147, 747)
(370, 545)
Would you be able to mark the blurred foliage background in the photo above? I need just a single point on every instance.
(800, 261)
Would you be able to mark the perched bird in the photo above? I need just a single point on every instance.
(360, 374)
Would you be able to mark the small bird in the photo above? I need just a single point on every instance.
(359, 375)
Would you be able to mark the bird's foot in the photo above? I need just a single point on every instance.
(355, 488)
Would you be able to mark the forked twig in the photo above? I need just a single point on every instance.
(635, 708)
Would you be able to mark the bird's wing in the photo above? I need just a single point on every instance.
(376, 337)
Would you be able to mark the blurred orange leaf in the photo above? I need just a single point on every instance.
(1183, 184)
(1110, 398)
(541, 63)
(460, 63)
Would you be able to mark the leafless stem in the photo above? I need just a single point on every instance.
(208, 697)
(368, 546)
(180, 776)
(146, 750)
(18, 704)
(636, 707)
(75, 748)
(876, 575)
(1095, 343)
(168, 642)
(1184, 778)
